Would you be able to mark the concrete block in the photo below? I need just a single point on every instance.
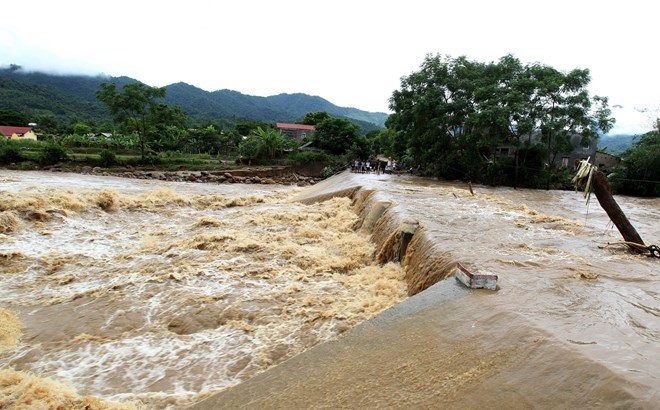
(475, 280)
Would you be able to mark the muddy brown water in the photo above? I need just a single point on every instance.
(160, 294)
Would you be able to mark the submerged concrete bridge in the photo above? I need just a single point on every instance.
(550, 337)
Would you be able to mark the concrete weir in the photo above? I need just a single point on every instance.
(422, 353)
(446, 346)
(398, 237)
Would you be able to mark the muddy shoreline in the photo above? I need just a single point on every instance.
(299, 176)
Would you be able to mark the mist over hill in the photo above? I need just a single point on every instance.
(69, 97)
(73, 97)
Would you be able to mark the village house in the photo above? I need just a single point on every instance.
(17, 133)
(563, 159)
(295, 131)
(100, 136)
(606, 162)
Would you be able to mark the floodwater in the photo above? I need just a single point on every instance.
(157, 294)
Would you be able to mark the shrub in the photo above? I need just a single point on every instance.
(327, 172)
(149, 160)
(9, 154)
(27, 165)
(306, 157)
(107, 158)
(52, 154)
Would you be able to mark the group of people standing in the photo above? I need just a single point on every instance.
(377, 166)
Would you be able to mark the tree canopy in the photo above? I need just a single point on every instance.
(265, 143)
(315, 117)
(452, 115)
(13, 117)
(136, 109)
(639, 173)
(335, 135)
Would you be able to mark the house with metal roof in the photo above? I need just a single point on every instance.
(295, 131)
(16, 133)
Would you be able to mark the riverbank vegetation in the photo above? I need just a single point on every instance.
(639, 173)
(76, 152)
(496, 123)
(501, 122)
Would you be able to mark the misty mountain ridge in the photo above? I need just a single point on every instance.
(616, 144)
(74, 96)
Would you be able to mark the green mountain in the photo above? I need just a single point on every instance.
(616, 144)
(69, 97)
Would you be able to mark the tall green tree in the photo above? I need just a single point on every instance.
(48, 124)
(452, 113)
(315, 117)
(206, 139)
(564, 108)
(431, 112)
(382, 142)
(137, 109)
(504, 113)
(336, 135)
(80, 128)
(246, 127)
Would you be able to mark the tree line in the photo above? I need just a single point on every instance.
(453, 114)
(499, 123)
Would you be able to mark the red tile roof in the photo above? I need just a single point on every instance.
(8, 130)
(284, 125)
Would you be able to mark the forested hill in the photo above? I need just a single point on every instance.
(69, 97)
(616, 144)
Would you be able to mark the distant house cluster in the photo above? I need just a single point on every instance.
(295, 131)
(17, 133)
(571, 160)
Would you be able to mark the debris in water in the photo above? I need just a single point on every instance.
(596, 181)
(475, 281)
(588, 275)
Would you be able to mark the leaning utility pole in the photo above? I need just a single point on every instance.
(593, 180)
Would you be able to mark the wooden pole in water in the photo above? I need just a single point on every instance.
(601, 188)
(592, 180)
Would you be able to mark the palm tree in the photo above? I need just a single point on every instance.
(271, 139)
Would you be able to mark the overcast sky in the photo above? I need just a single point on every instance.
(352, 53)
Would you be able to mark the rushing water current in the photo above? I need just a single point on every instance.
(123, 293)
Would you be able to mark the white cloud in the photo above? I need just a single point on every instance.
(631, 121)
